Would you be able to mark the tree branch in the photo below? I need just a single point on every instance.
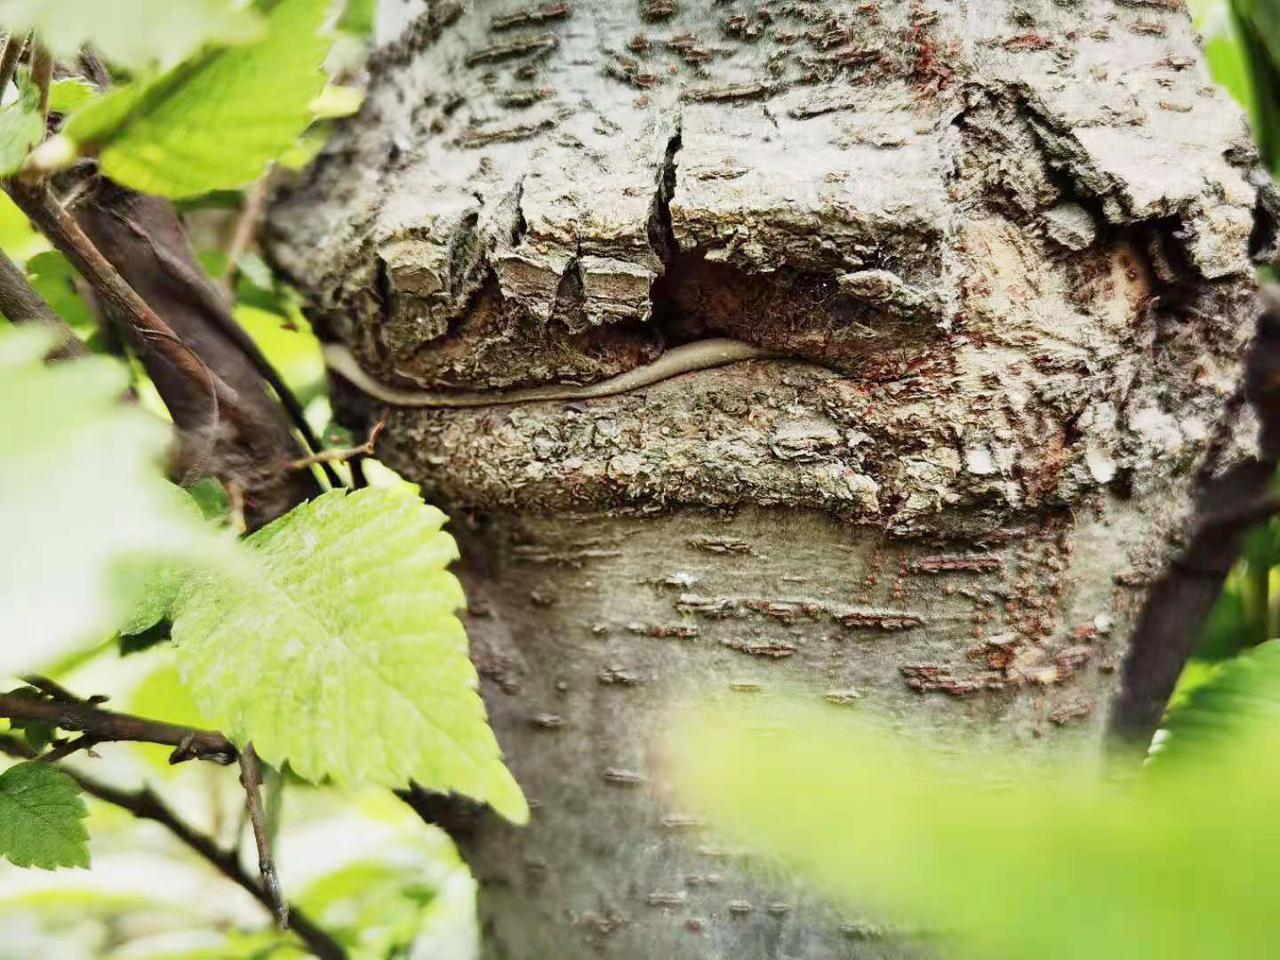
(65, 234)
(42, 76)
(143, 238)
(9, 59)
(20, 302)
(145, 804)
(189, 743)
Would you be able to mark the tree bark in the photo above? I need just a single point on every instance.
(998, 254)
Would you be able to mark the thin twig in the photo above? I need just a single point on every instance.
(145, 804)
(251, 780)
(189, 743)
(246, 228)
(13, 49)
(20, 302)
(53, 689)
(67, 748)
(345, 453)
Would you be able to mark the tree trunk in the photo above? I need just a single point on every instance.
(992, 264)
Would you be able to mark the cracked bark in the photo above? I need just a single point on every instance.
(998, 254)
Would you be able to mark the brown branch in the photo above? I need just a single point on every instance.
(143, 238)
(189, 743)
(56, 690)
(20, 302)
(65, 234)
(13, 49)
(63, 750)
(251, 780)
(145, 804)
(42, 76)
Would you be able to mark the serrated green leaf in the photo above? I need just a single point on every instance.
(217, 121)
(40, 818)
(20, 129)
(343, 655)
(81, 491)
(131, 33)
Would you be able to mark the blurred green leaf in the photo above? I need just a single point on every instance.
(148, 586)
(70, 93)
(289, 344)
(1240, 698)
(40, 814)
(336, 101)
(1007, 860)
(359, 17)
(21, 128)
(54, 279)
(81, 491)
(375, 908)
(211, 497)
(131, 33)
(1258, 27)
(342, 653)
(17, 237)
(214, 122)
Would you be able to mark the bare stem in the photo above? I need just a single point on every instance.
(251, 780)
(246, 227)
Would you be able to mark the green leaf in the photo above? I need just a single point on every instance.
(149, 586)
(1242, 696)
(70, 93)
(336, 101)
(342, 654)
(359, 17)
(214, 122)
(40, 814)
(1010, 859)
(17, 237)
(20, 128)
(81, 491)
(131, 33)
(54, 278)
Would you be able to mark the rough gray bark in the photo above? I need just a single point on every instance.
(998, 253)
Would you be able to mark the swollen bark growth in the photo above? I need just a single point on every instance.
(995, 260)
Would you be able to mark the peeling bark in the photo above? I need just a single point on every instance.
(996, 259)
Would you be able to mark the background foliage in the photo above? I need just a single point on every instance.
(126, 584)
